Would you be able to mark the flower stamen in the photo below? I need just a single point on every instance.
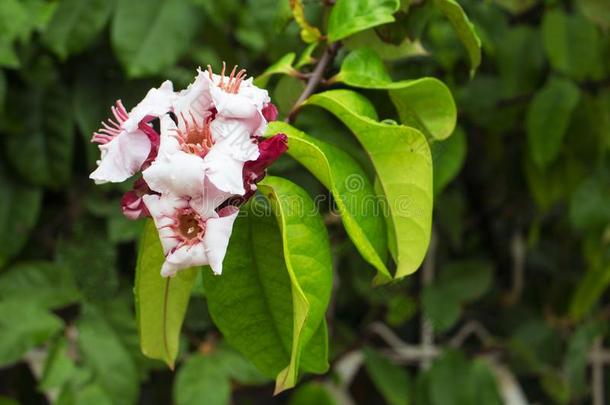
(195, 138)
(111, 128)
(234, 80)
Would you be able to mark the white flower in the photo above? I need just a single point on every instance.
(127, 141)
(202, 160)
(189, 239)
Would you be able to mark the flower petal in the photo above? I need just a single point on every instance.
(163, 211)
(181, 174)
(195, 99)
(122, 157)
(216, 238)
(183, 258)
(156, 103)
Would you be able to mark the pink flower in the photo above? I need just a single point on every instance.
(127, 141)
(189, 239)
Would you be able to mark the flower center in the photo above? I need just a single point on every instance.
(190, 226)
(195, 138)
(234, 80)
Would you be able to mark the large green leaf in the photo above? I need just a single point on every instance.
(351, 189)
(425, 104)
(306, 246)
(548, 117)
(40, 147)
(270, 300)
(351, 16)
(150, 36)
(76, 24)
(160, 302)
(19, 209)
(23, 325)
(464, 29)
(403, 163)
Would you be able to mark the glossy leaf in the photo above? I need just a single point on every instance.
(271, 298)
(351, 16)
(425, 104)
(151, 36)
(548, 117)
(389, 52)
(351, 189)
(19, 209)
(76, 24)
(403, 163)
(160, 302)
(464, 29)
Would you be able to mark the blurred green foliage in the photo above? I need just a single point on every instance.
(521, 239)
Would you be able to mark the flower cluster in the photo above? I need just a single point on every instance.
(200, 152)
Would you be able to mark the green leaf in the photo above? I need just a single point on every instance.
(270, 300)
(151, 36)
(40, 147)
(351, 16)
(76, 24)
(199, 381)
(448, 157)
(391, 380)
(596, 10)
(59, 368)
(24, 325)
(19, 209)
(312, 393)
(441, 309)
(577, 355)
(452, 380)
(588, 292)
(589, 203)
(403, 163)
(425, 104)
(282, 66)
(103, 351)
(548, 117)
(572, 44)
(306, 246)
(464, 29)
(390, 52)
(351, 189)
(49, 285)
(160, 302)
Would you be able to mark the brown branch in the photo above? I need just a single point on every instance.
(314, 80)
